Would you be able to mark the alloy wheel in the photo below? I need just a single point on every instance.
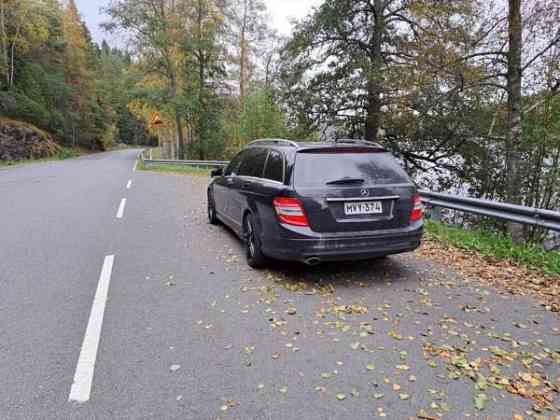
(250, 238)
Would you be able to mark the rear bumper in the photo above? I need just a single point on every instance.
(341, 248)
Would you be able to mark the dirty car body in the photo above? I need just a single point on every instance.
(314, 202)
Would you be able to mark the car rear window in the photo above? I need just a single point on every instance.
(317, 169)
(253, 162)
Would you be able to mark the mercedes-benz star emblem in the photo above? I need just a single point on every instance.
(364, 193)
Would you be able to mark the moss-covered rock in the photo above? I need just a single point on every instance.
(20, 141)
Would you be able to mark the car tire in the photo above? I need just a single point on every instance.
(212, 217)
(255, 258)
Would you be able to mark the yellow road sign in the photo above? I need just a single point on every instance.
(156, 120)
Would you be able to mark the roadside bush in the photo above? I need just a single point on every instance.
(18, 106)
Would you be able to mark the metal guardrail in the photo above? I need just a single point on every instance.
(510, 212)
(207, 163)
(146, 158)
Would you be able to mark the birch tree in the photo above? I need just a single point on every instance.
(157, 27)
(23, 25)
(248, 26)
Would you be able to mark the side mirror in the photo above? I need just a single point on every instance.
(216, 172)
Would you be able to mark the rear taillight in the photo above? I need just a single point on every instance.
(290, 211)
(417, 209)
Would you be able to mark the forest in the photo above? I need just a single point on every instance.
(465, 93)
(54, 76)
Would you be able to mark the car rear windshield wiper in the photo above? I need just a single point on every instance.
(346, 180)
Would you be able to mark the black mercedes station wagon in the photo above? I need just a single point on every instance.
(314, 202)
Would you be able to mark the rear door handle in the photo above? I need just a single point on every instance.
(246, 184)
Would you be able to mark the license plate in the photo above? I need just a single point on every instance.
(365, 207)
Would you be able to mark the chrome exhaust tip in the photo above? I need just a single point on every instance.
(312, 261)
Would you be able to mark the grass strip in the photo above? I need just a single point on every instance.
(495, 245)
(175, 169)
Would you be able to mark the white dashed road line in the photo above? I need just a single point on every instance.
(129, 184)
(120, 212)
(83, 378)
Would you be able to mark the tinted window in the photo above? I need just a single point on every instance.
(253, 162)
(233, 167)
(316, 169)
(274, 167)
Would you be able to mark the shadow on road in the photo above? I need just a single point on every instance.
(350, 274)
(374, 272)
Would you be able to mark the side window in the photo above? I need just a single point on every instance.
(253, 162)
(233, 167)
(275, 166)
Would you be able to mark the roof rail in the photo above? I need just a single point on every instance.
(358, 141)
(265, 142)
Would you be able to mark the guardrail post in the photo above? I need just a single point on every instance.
(436, 214)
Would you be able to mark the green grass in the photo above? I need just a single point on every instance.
(64, 153)
(175, 169)
(157, 153)
(496, 246)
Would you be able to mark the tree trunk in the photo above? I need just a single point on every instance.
(243, 57)
(373, 111)
(180, 137)
(11, 71)
(373, 119)
(242, 71)
(268, 71)
(514, 134)
(202, 104)
(179, 125)
(168, 148)
(201, 74)
(4, 43)
(12, 66)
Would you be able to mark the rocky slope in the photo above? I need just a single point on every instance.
(20, 141)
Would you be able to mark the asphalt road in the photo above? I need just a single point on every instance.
(179, 327)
